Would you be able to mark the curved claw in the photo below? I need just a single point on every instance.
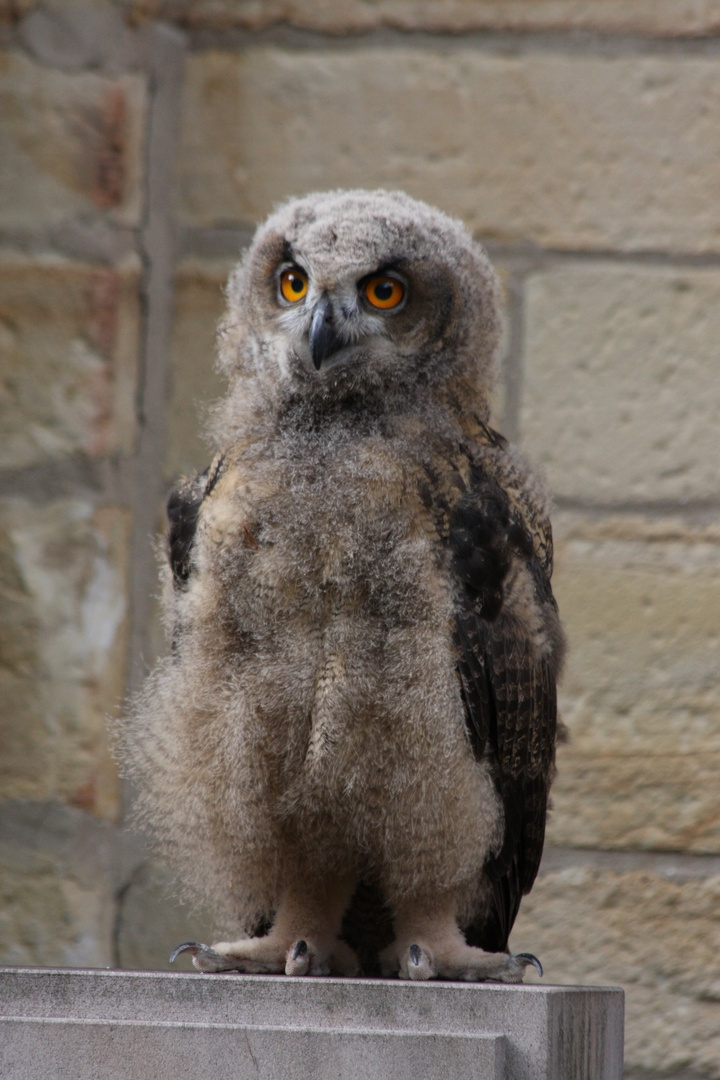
(205, 958)
(187, 946)
(419, 965)
(300, 949)
(298, 959)
(531, 960)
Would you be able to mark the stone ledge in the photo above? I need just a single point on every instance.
(73, 1024)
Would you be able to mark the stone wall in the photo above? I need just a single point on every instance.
(139, 143)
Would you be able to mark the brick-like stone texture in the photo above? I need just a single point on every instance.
(564, 150)
(70, 144)
(199, 303)
(63, 612)
(621, 395)
(69, 340)
(77, 34)
(661, 17)
(656, 937)
(59, 871)
(640, 601)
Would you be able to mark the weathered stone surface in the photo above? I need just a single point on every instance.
(74, 34)
(621, 396)
(69, 340)
(201, 1052)
(151, 922)
(59, 871)
(657, 938)
(640, 601)
(63, 616)
(646, 800)
(69, 144)
(338, 1025)
(193, 382)
(480, 134)
(661, 17)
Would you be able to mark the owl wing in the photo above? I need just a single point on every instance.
(508, 686)
(183, 511)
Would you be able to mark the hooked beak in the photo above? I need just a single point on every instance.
(324, 337)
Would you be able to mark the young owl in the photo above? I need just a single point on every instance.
(349, 750)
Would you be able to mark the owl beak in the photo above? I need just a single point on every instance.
(324, 337)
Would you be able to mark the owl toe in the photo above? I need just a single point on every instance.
(418, 964)
(204, 958)
(298, 959)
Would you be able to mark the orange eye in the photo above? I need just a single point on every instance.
(384, 292)
(293, 284)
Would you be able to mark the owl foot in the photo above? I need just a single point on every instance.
(303, 939)
(272, 955)
(430, 945)
(461, 963)
(469, 965)
(340, 959)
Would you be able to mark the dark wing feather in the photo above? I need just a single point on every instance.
(183, 510)
(508, 692)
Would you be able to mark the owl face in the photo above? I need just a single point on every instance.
(335, 320)
(356, 289)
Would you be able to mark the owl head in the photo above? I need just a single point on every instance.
(360, 293)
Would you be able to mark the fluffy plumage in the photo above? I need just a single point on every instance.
(349, 751)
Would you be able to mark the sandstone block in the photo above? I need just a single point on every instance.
(656, 937)
(649, 800)
(69, 340)
(621, 396)
(661, 17)
(59, 870)
(63, 570)
(640, 696)
(480, 134)
(199, 304)
(70, 144)
(76, 34)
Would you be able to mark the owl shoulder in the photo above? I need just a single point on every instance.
(523, 485)
(183, 507)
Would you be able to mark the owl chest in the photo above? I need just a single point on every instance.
(303, 555)
(323, 562)
(333, 597)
